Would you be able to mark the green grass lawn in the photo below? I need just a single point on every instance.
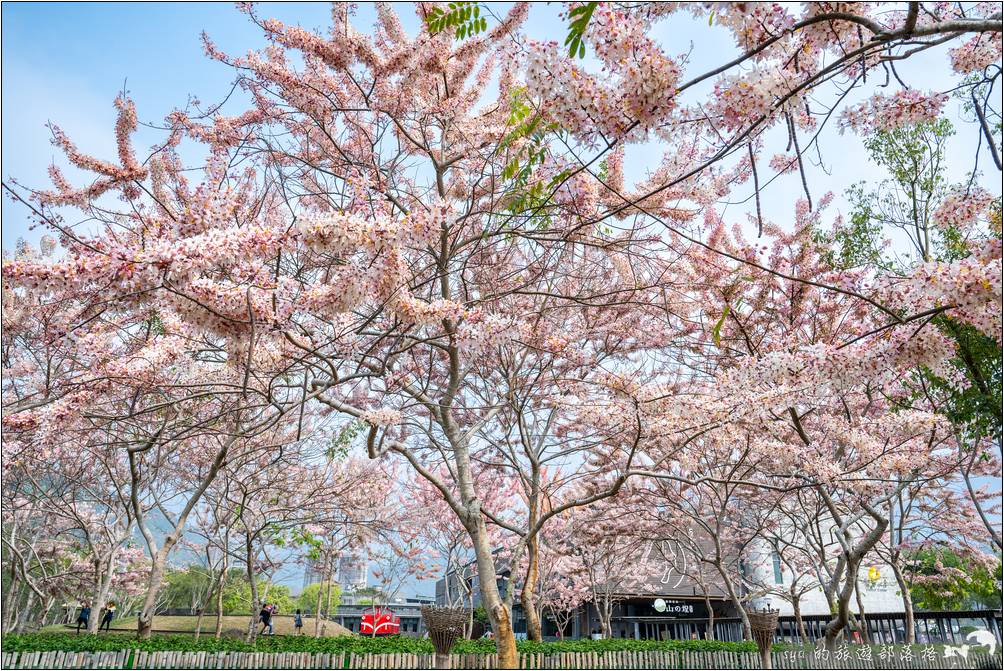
(185, 624)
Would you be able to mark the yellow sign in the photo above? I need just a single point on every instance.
(873, 573)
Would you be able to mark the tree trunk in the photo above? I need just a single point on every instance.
(25, 614)
(904, 590)
(144, 624)
(317, 611)
(8, 611)
(159, 557)
(468, 600)
(498, 615)
(765, 661)
(736, 601)
(217, 586)
(49, 603)
(605, 614)
(255, 605)
(198, 623)
(103, 583)
(219, 604)
(796, 607)
(861, 624)
(327, 607)
(710, 634)
(528, 597)
(851, 557)
(835, 627)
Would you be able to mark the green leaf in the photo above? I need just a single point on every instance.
(716, 332)
(580, 17)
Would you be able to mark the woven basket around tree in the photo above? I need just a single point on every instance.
(445, 626)
(763, 624)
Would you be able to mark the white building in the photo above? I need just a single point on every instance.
(765, 571)
(353, 572)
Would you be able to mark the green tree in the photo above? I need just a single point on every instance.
(914, 157)
(904, 205)
(947, 580)
(237, 595)
(186, 589)
(307, 602)
(369, 596)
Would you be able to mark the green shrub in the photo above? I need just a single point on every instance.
(355, 644)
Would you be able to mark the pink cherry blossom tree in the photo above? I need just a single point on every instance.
(435, 236)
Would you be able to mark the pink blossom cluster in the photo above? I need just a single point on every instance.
(970, 288)
(744, 99)
(963, 208)
(888, 112)
(638, 88)
(978, 53)
(478, 336)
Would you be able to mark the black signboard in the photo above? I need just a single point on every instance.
(685, 609)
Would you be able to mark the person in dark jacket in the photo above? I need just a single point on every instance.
(84, 617)
(265, 617)
(106, 621)
(298, 622)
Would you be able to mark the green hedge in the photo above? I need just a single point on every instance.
(356, 644)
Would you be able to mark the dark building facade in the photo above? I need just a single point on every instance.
(661, 575)
(671, 601)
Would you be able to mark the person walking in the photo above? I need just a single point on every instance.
(272, 610)
(84, 617)
(265, 617)
(298, 622)
(106, 620)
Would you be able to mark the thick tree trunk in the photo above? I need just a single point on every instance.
(144, 624)
(498, 614)
(843, 616)
(605, 614)
(835, 627)
(528, 596)
(851, 558)
(103, 583)
(765, 661)
(730, 589)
